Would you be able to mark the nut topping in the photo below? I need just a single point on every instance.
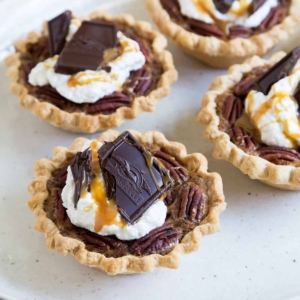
(109, 103)
(278, 155)
(190, 204)
(177, 171)
(242, 138)
(157, 240)
(232, 108)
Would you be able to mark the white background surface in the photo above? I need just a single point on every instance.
(255, 256)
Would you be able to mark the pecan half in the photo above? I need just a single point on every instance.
(169, 200)
(177, 171)
(39, 50)
(206, 29)
(140, 82)
(239, 31)
(190, 204)
(244, 87)
(49, 93)
(278, 155)
(61, 177)
(24, 72)
(242, 138)
(109, 103)
(172, 7)
(275, 16)
(232, 108)
(104, 242)
(157, 240)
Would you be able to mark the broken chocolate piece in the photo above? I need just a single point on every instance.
(58, 30)
(278, 71)
(81, 171)
(138, 178)
(86, 49)
(223, 5)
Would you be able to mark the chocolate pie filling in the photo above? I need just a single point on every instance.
(276, 15)
(235, 122)
(186, 199)
(141, 82)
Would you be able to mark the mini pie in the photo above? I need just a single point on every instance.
(190, 198)
(251, 115)
(123, 99)
(219, 47)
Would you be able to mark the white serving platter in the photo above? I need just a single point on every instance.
(254, 256)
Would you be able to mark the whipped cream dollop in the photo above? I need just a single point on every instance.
(89, 86)
(94, 210)
(237, 15)
(276, 115)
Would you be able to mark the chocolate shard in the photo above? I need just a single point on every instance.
(139, 180)
(86, 49)
(256, 5)
(223, 6)
(280, 70)
(81, 171)
(58, 30)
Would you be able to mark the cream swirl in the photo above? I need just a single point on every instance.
(276, 115)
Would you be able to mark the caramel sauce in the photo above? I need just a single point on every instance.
(110, 55)
(76, 79)
(242, 10)
(107, 212)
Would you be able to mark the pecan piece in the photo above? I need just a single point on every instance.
(275, 16)
(177, 171)
(140, 82)
(61, 177)
(169, 198)
(104, 242)
(109, 103)
(190, 204)
(24, 72)
(278, 155)
(157, 240)
(49, 93)
(206, 29)
(232, 108)
(242, 88)
(242, 138)
(173, 9)
(39, 50)
(238, 31)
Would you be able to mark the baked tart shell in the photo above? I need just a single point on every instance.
(279, 176)
(126, 264)
(81, 122)
(219, 53)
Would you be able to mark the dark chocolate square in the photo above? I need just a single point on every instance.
(125, 160)
(86, 49)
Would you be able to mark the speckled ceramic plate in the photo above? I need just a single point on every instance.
(255, 256)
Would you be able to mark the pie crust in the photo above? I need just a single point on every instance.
(80, 122)
(219, 53)
(126, 264)
(279, 176)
